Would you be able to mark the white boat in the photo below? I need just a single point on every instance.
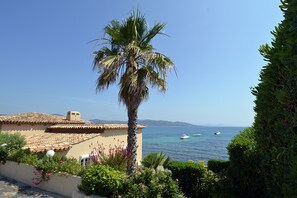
(184, 136)
(217, 133)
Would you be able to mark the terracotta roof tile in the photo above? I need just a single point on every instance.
(36, 118)
(92, 126)
(55, 141)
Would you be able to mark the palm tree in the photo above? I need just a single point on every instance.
(155, 160)
(128, 58)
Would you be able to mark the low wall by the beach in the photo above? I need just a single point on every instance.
(63, 185)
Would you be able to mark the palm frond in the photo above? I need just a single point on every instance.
(127, 44)
(155, 160)
(107, 78)
(99, 55)
(153, 32)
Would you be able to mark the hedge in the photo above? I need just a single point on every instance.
(218, 165)
(244, 173)
(194, 179)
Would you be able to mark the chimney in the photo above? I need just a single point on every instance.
(73, 116)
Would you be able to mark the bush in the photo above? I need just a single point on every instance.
(217, 165)
(116, 157)
(244, 172)
(45, 166)
(13, 141)
(57, 164)
(150, 184)
(155, 160)
(101, 180)
(3, 154)
(11, 146)
(29, 158)
(276, 107)
(194, 179)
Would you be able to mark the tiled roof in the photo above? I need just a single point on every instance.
(56, 141)
(86, 128)
(36, 118)
(92, 126)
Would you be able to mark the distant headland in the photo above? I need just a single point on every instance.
(148, 123)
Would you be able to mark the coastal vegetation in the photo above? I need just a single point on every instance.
(10, 145)
(150, 183)
(218, 165)
(115, 157)
(102, 180)
(155, 161)
(238, 177)
(262, 158)
(244, 174)
(127, 56)
(276, 106)
(195, 180)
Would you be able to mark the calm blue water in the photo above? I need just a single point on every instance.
(204, 147)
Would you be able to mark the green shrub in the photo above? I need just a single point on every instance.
(101, 180)
(200, 162)
(210, 185)
(155, 160)
(244, 172)
(58, 164)
(116, 157)
(11, 146)
(276, 107)
(3, 154)
(13, 141)
(46, 166)
(30, 159)
(18, 154)
(117, 161)
(218, 165)
(150, 184)
(194, 179)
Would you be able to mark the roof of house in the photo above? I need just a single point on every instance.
(56, 141)
(92, 126)
(61, 134)
(36, 118)
(87, 128)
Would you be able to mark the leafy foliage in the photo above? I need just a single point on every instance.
(10, 146)
(244, 172)
(150, 184)
(17, 154)
(30, 159)
(101, 180)
(194, 179)
(46, 166)
(3, 155)
(155, 160)
(116, 157)
(276, 107)
(56, 164)
(13, 141)
(217, 165)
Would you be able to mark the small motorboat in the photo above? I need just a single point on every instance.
(217, 133)
(184, 136)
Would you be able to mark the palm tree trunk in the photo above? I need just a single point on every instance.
(132, 139)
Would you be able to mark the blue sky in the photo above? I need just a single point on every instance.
(46, 60)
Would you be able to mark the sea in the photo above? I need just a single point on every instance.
(202, 144)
